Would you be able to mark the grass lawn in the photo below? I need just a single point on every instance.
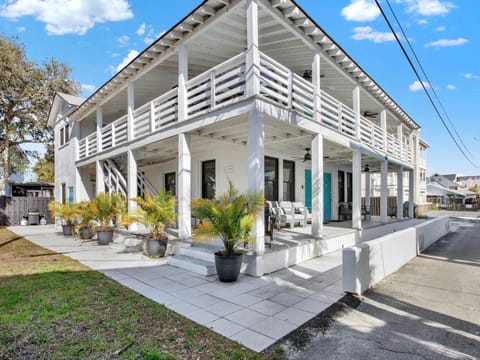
(54, 307)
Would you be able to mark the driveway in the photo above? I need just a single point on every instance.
(429, 309)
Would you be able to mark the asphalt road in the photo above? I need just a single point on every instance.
(429, 309)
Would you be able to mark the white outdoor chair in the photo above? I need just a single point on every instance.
(300, 208)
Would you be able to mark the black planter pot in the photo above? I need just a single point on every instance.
(86, 233)
(154, 247)
(104, 237)
(228, 267)
(67, 230)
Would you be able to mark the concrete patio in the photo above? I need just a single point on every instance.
(256, 312)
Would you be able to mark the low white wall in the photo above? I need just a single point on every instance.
(366, 264)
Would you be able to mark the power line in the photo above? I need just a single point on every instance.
(423, 85)
(426, 76)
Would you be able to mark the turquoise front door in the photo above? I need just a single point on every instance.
(327, 189)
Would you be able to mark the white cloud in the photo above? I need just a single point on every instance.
(123, 40)
(422, 22)
(21, 29)
(447, 42)
(360, 10)
(440, 28)
(88, 88)
(141, 30)
(367, 33)
(417, 86)
(66, 16)
(429, 7)
(131, 55)
(471, 76)
(451, 87)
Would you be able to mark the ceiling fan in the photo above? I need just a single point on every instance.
(370, 114)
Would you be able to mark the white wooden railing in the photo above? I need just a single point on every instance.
(225, 84)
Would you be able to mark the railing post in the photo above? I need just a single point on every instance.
(290, 89)
(356, 108)
(182, 83)
(383, 124)
(212, 90)
(152, 116)
(400, 141)
(340, 117)
(86, 146)
(113, 135)
(99, 128)
(317, 103)
(130, 108)
(253, 54)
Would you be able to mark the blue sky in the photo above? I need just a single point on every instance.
(95, 36)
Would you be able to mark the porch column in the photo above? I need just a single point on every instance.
(99, 178)
(280, 180)
(411, 193)
(383, 190)
(184, 187)
(416, 162)
(356, 108)
(317, 186)
(383, 124)
(256, 171)
(335, 195)
(400, 192)
(316, 78)
(99, 128)
(131, 186)
(356, 190)
(253, 54)
(130, 109)
(182, 82)
(367, 189)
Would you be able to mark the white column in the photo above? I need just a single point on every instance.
(253, 54)
(367, 189)
(130, 108)
(256, 171)
(184, 187)
(411, 193)
(356, 190)
(182, 82)
(400, 140)
(335, 195)
(356, 108)
(99, 178)
(131, 185)
(383, 190)
(99, 128)
(383, 125)
(416, 160)
(316, 87)
(317, 186)
(400, 192)
(411, 146)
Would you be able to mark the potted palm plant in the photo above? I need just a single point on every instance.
(67, 213)
(230, 218)
(155, 213)
(86, 217)
(108, 207)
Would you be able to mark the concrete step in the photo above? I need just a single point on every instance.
(204, 254)
(197, 266)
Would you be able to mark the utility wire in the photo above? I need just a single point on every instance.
(426, 76)
(423, 85)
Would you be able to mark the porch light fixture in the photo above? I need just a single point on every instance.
(307, 156)
(366, 169)
(307, 75)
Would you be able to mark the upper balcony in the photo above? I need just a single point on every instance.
(224, 85)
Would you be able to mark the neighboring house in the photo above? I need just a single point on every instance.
(441, 196)
(469, 182)
(250, 90)
(446, 181)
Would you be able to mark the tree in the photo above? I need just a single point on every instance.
(45, 168)
(26, 93)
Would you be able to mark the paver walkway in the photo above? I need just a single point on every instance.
(256, 312)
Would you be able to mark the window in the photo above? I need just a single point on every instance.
(170, 183)
(288, 180)
(208, 179)
(341, 186)
(271, 179)
(64, 135)
(64, 193)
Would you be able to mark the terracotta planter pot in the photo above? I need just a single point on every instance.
(228, 267)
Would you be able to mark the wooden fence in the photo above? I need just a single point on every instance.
(375, 205)
(13, 209)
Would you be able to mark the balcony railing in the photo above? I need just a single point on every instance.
(224, 85)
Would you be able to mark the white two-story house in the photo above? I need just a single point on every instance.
(248, 90)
